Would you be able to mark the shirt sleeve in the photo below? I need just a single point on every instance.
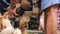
(47, 3)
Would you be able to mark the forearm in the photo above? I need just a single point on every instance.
(51, 23)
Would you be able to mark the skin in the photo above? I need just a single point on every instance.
(12, 12)
(41, 25)
(51, 21)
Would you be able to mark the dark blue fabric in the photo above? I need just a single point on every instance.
(30, 1)
(3, 4)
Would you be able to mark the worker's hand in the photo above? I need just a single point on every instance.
(12, 12)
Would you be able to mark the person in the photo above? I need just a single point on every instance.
(50, 7)
(18, 11)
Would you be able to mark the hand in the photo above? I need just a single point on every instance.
(11, 12)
